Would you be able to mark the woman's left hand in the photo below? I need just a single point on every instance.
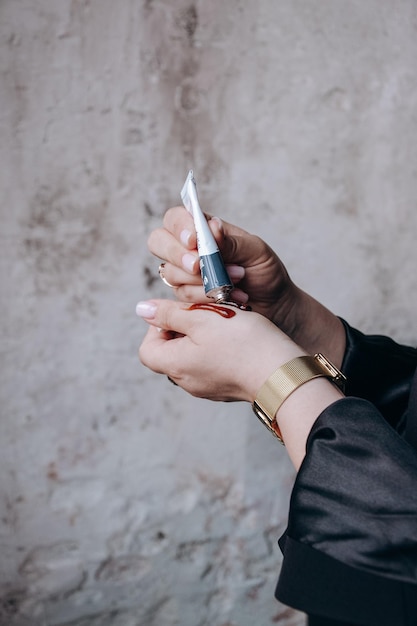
(218, 352)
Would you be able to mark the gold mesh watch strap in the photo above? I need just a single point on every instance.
(287, 379)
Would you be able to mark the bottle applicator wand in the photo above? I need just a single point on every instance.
(216, 280)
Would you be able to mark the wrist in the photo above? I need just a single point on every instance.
(300, 411)
(312, 326)
(286, 380)
(270, 363)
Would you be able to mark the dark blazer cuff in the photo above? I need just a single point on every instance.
(317, 584)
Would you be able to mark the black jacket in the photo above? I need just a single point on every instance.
(350, 548)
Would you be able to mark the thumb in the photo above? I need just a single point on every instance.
(236, 245)
(165, 314)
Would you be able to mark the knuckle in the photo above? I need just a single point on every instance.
(176, 218)
(190, 293)
(149, 358)
(231, 245)
(167, 215)
(259, 245)
(143, 355)
(166, 315)
(176, 374)
(170, 217)
(153, 239)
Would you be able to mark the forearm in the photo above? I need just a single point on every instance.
(300, 410)
(313, 327)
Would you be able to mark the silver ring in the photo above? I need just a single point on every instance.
(161, 274)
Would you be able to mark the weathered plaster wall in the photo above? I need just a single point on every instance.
(123, 501)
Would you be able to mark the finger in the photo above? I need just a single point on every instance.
(191, 293)
(180, 223)
(167, 314)
(236, 245)
(236, 272)
(239, 296)
(196, 294)
(159, 351)
(164, 245)
(176, 277)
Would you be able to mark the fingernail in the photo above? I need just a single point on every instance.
(236, 272)
(239, 296)
(146, 310)
(185, 237)
(188, 261)
(218, 222)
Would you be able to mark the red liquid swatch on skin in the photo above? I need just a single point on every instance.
(220, 310)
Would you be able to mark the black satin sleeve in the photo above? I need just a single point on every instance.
(350, 549)
(379, 370)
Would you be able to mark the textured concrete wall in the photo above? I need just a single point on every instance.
(123, 501)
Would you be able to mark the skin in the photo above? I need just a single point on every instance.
(265, 283)
(228, 359)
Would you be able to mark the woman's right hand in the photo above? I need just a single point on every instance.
(259, 276)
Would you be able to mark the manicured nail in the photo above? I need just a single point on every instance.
(188, 261)
(146, 310)
(239, 296)
(218, 222)
(236, 272)
(185, 237)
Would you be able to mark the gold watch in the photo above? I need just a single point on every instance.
(287, 379)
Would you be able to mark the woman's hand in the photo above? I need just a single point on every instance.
(255, 269)
(229, 358)
(210, 355)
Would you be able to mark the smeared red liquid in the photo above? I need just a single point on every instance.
(217, 308)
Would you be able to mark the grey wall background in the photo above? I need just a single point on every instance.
(123, 501)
